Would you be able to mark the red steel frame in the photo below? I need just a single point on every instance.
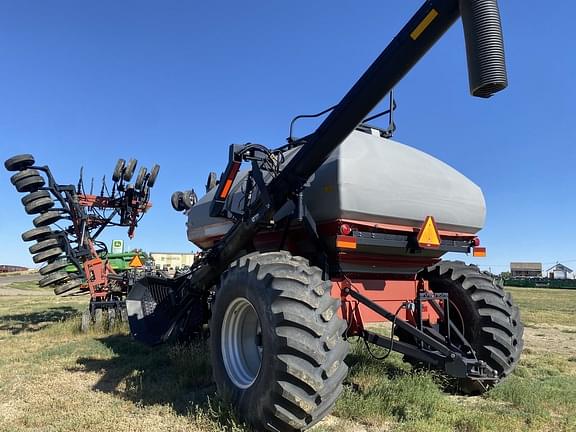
(96, 270)
(387, 290)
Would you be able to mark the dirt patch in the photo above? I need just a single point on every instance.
(555, 338)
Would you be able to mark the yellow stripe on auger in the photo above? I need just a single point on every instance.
(424, 24)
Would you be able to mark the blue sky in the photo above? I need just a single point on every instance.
(175, 82)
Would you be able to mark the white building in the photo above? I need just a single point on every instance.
(172, 260)
(560, 271)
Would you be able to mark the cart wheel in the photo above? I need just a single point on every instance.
(129, 170)
(276, 342)
(19, 162)
(153, 175)
(47, 218)
(37, 234)
(86, 321)
(140, 179)
(117, 174)
(484, 313)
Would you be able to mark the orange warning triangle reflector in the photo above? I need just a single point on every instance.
(135, 262)
(428, 236)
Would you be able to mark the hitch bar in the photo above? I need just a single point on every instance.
(452, 360)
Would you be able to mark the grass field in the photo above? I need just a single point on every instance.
(54, 378)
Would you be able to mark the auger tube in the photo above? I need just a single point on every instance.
(421, 32)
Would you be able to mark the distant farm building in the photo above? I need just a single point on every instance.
(10, 268)
(525, 269)
(172, 260)
(560, 271)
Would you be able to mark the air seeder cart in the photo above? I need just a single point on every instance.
(333, 230)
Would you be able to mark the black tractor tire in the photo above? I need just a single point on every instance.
(29, 184)
(47, 218)
(43, 245)
(47, 256)
(153, 175)
(54, 267)
(301, 343)
(68, 286)
(37, 234)
(40, 205)
(34, 196)
(490, 318)
(139, 183)
(129, 170)
(118, 169)
(54, 278)
(19, 162)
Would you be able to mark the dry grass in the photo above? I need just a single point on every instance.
(54, 378)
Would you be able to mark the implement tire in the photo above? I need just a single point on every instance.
(43, 245)
(276, 342)
(19, 162)
(68, 286)
(29, 184)
(39, 206)
(49, 255)
(47, 218)
(54, 278)
(37, 234)
(490, 318)
(34, 196)
(55, 266)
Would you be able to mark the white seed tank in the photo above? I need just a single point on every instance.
(372, 179)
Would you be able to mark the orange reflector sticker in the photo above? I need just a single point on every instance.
(345, 242)
(135, 262)
(428, 236)
(226, 188)
(479, 251)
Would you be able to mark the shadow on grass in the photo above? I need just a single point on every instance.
(179, 376)
(35, 321)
